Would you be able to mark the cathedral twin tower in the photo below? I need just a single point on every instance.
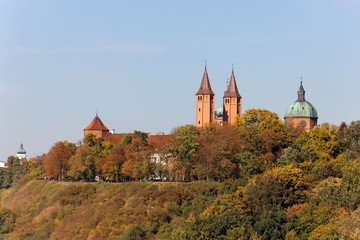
(206, 114)
(300, 113)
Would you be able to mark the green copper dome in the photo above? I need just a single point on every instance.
(301, 107)
(219, 112)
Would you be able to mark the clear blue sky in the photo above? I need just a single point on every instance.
(140, 63)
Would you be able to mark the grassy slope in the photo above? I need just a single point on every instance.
(55, 210)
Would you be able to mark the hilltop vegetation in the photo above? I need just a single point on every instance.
(257, 179)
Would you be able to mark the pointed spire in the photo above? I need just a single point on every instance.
(205, 87)
(301, 92)
(232, 90)
(96, 124)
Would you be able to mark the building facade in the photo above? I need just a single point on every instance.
(206, 114)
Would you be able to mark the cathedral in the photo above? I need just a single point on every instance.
(205, 103)
(300, 113)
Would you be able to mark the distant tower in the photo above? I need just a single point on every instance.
(21, 153)
(232, 101)
(97, 127)
(205, 105)
(301, 112)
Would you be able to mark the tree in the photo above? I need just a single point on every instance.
(319, 144)
(354, 131)
(82, 165)
(136, 154)
(217, 155)
(184, 149)
(282, 186)
(264, 133)
(56, 162)
(350, 185)
(15, 169)
(110, 167)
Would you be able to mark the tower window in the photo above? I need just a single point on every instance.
(199, 98)
(199, 122)
(199, 109)
(227, 100)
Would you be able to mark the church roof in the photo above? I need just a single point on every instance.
(116, 137)
(301, 93)
(232, 90)
(301, 107)
(96, 124)
(21, 149)
(205, 87)
(160, 140)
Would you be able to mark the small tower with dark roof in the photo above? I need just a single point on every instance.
(21, 153)
(301, 93)
(205, 105)
(232, 101)
(96, 127)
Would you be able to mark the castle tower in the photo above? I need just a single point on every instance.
(301, 112)
(96, 127)
(205, 105)
(21, 153)
(232, 101)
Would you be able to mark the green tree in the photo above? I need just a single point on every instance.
(15, 169)
(184, 149)
(350, 185)
(282, 186)
(354, 132)
(82, 165)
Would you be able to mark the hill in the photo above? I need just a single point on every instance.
(288, 202)
(136, 210)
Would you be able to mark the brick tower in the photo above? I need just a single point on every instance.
(232, 103)
(205, 105)
(97, 127)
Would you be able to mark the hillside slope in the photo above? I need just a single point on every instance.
(59, 210)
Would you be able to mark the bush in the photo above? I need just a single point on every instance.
(7, 220)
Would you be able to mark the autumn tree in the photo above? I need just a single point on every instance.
(319, 144)
(184, 149)
(136, 153)
(82, 165)
(217, 155)
(110, 167)
(56, 161)
(265, 136)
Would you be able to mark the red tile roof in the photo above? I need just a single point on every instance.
(96, 124)
(116, 138)
(160, 140)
